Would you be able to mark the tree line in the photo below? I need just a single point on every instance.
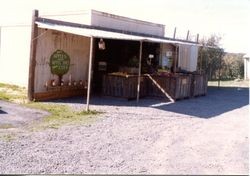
(218, 64)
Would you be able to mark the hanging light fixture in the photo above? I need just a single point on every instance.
(101, 44)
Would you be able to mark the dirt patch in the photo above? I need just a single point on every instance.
(14, 115)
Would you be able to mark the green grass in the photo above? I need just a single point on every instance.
(6, 126)
(4, 96)
(230, 83)
(58, 114)
(13, 93)
(11, 86)
(8, 137)
(61, 114)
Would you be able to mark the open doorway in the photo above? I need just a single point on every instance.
(118, 54)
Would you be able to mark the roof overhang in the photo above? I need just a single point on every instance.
(90, 31)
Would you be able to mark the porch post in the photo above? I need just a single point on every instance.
(90, 71)
(32, 64)
(139, 74)
(201, 59)
(219, 74)
(175, 59)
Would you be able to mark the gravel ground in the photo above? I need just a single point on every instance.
(205, 135)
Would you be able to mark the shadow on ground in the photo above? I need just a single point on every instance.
(216, 102)
(2, 112)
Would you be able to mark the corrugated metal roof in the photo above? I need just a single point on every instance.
(97, 33)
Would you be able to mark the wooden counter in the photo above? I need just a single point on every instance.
(123, 86)
(178, 86)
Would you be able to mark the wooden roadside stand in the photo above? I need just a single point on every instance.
(167, 81)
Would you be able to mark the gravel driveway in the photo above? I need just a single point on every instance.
(205, 135)
(12, 114)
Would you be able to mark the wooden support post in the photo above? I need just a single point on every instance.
(219, 73)
(174, 33)
(139, 74)
(175, 58)
(197, 38)
(90, 72)
(201, 59)
(187, 35)
(32, 64)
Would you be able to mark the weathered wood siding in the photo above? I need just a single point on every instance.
(177, 86)
(122, 86)
(199, 85)
(77, 47)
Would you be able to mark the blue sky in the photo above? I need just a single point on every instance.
(228, 18)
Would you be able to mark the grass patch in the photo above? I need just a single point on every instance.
(4, 96)
(61, 114)
(11, 86)
(8, 137)
(6, 126)
(58, 114)
(13, 93)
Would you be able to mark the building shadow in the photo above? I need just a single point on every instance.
(216, 102)
(2, 112)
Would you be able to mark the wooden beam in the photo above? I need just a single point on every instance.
(160, 88)
(90, 72)
(187, 35)
(32, 64)
(139, 74)
(201, 59)
(174, 33)
(219, 73)
(175, 58)
(197, 38)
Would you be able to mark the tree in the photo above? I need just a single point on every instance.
(234, 66)
(216, 63)
(210, 57)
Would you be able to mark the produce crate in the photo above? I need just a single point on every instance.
(182, 83)
(123, 86)
(199, 85)
(163, 81)
(177, 86)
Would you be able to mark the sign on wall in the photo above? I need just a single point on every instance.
(59, 63)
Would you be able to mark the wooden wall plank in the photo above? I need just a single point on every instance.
(77, 47)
